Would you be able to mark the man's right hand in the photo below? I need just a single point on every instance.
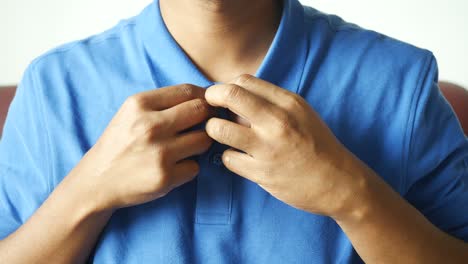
(142, 154)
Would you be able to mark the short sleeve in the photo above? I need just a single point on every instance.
(437, 173)
(24, 157)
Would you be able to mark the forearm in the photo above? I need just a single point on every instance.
(63, 230)
(384, 228)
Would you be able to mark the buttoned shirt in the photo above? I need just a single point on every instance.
(378, 95)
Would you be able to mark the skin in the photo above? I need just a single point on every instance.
(271, 126)
(223, 38)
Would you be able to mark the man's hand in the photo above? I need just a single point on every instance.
(287, 149)
(142, 154)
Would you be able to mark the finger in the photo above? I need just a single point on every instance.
(231, 134)
(184, 172)
(241, 164)
(251, 107)
(166, 97)
(189, 144)
(186, 114)
(272, 93)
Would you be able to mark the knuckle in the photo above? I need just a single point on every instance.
(135, 103)
(224, 132)
(243, 79)
(232, 92)
(187, 90)
(159, 122)
(199, 106)
(219, 129)
(293, 102)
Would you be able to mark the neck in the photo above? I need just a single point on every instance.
(223, 38)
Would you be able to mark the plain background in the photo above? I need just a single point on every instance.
(30, 28)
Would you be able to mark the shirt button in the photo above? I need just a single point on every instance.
(217, 159)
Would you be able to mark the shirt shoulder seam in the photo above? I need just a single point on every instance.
(346, 26)
(411, 120)
(95, 39)
(41, 113)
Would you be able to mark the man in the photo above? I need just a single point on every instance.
(340, 150)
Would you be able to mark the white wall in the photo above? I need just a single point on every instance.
(29, 28)
(438, 25)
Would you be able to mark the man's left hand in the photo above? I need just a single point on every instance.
(286, 148)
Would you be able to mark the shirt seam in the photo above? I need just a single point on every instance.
(344, 26)
(50, 169)
(96, 39)
(298, 89)
(410, 125)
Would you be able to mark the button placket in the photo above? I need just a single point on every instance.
(214, 187)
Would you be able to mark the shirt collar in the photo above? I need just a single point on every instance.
(282, 65)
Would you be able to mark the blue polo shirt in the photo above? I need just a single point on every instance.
(378, 95)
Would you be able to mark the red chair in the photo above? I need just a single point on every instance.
(6, 95)
(458, 97)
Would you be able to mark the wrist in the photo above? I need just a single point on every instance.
(70, 203)
(357, 197)
(85, 193)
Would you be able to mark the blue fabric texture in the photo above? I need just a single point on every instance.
(377, 94)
